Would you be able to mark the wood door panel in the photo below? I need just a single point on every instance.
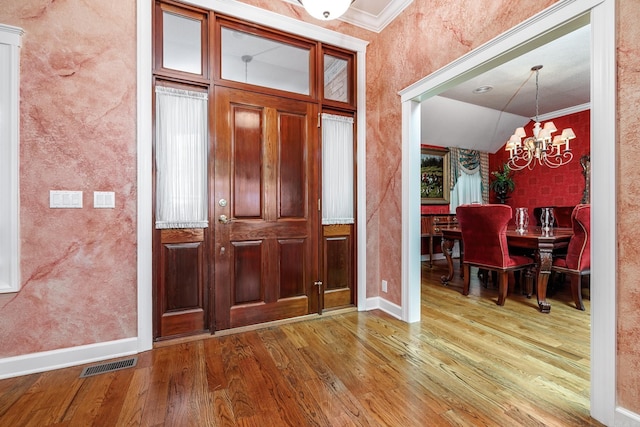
(246, 230)
(266, 255)
(337, 298)
(247, 145)
(181, 263)
(261, 312)
(338, 262)
(292, 271)
(247, 275)
(338, 265)
(183, 305)
(292, 180)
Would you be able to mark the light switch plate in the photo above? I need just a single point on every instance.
(104, 199)
(65, 199)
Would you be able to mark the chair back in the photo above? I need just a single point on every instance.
(579, 249)
(562, 215)
(484, 233)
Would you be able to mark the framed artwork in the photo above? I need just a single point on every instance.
(435, 176)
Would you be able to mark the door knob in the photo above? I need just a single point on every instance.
(222, 219)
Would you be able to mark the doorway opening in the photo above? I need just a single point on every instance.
(537, 29)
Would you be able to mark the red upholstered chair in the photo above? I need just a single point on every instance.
(484, 238)
(577, 262)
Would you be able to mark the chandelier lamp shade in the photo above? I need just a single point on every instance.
(326, 10)
(541, 148)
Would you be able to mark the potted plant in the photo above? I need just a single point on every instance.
(502, 183)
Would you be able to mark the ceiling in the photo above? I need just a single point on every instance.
(374, 15)
(460, 118)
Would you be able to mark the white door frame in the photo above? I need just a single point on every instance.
(603, 183)
(144, 140)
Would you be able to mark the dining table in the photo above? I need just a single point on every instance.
(541, 243)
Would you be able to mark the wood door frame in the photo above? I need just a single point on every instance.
(249, 13)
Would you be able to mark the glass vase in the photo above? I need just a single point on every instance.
(547, 219)
(521, 219)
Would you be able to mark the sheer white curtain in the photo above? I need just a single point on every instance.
(468, 170)
(468, 189)
(181, 158)
(337, 169)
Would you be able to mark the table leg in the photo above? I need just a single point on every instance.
(431, 251)
(544, 271)
(447, 247)
(461, 247)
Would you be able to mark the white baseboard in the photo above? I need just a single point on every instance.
(626, 418)
(65, 357)
(384, 305)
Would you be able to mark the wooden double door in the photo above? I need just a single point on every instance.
(264, 255)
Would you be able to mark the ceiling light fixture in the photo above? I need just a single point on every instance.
(482, 89)
(326, 10)
(539, 148)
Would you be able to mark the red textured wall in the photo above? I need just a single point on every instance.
(544, 186)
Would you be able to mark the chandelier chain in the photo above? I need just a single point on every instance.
(537, 88)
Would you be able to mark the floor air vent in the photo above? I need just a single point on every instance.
(108, 367)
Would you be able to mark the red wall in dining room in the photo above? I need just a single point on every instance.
(544, 186)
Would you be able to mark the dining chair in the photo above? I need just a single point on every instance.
(484, 237)
(562, 215)
(577, 261)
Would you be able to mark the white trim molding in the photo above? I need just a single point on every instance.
(263, 17)
(10, 43)
(363, 19)
(378, 303)
(63, 358)
(144, 182)
(558, 19)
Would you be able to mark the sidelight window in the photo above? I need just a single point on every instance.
(181, 158)
(337, 169)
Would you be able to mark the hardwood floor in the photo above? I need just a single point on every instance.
(468, 362)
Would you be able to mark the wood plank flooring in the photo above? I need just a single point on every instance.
(468, 362)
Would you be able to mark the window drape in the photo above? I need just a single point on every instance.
(181, 158)
(469, 177)
(337, 169)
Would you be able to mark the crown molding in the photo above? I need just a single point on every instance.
(368, 21)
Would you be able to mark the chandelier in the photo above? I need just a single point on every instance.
(326, 9)
(540, 148)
